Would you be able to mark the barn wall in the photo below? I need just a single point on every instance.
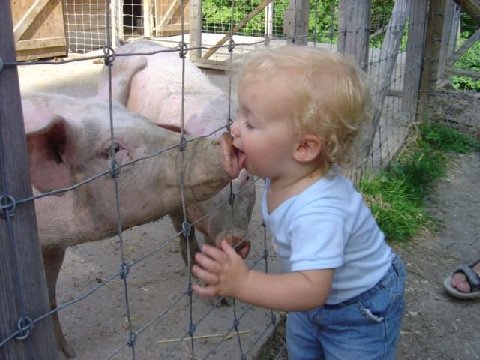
(38, 29)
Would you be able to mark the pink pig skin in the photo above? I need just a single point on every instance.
(68, 141)
(152, 86)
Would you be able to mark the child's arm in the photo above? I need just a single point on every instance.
(226, 274)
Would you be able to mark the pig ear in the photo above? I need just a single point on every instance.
(48, 144)
(123, 71)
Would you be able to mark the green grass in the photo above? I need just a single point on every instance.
(397, 194)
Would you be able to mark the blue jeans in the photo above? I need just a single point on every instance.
(365, 327)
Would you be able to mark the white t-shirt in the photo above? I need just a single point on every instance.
(328, 226)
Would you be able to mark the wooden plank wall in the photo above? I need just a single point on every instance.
(38, 29)
(168, 17)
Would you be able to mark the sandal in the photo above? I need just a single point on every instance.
(472, 278)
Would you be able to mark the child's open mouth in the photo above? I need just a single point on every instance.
(242, 159)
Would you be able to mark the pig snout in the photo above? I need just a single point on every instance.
(233, 160)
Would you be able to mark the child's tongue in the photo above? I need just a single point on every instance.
(242, 159)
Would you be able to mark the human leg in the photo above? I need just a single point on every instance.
(302, 337)
(368, 326)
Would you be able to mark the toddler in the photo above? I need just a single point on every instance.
(343, 286)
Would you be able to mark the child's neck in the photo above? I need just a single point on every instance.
(284, 188)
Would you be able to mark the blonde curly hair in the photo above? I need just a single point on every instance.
(331, 95)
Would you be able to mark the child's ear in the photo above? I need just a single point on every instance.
(308, 148)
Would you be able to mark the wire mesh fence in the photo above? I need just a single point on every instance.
(117, 289)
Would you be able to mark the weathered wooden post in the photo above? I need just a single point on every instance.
(382, 74)
(414, 56)
(451, 23)
(353, 36)
(196, 29)
(295, 22)
(433, 39)
(353, 30)
(23, 290)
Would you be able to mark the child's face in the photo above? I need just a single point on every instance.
(263, 130)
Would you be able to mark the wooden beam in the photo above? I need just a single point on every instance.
(413, 60)
(26, 21)
(237, 27)
(433, 39)
(195, 29)
(463, 49)
(147, 19)
(462, 72)
(295, 22)
(168, 15)
(40, 43)
(22, 277)
(388, 56)
(353, 25)
(472, 8)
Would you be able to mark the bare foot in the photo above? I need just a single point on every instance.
(460, 282)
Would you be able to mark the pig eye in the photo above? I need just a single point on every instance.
(114, 148)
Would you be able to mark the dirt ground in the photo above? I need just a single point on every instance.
(435, 326)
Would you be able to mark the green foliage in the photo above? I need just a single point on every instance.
(322, 26)
(396, 195)
(398, 214)
(441, 137)
(469, 61)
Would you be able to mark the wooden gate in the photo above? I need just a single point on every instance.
(38, 29)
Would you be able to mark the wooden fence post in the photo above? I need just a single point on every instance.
(353, 30)
(353, 37)
(295, 22)
(433, 39)
(195, 29)
(449, 36)
(22, 278)
(414, 56)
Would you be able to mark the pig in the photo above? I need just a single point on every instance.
(68, 141)
(151, 85)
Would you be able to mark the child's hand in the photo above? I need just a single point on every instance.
(222, 269)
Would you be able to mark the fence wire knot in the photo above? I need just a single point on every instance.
(229, 123)
(7, 205)
(186, 228)
(183, 49)
(24, 326)
(132, 338)
(183, 143)
(265, 254)
(231, 198)
(231, 45)
(192, 330)
(124, 270)
(109, 53)
(115, 169)
(236, 324)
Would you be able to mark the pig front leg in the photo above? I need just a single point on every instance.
(177, 220)
(52, 261)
